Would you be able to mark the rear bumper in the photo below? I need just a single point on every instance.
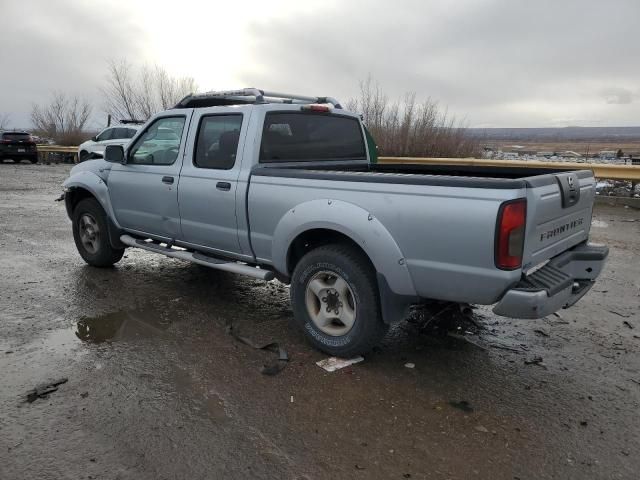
(559, 284)
(18, 155)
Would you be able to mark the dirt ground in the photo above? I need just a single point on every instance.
(158, 390)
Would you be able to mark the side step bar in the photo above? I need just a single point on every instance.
(199, 258)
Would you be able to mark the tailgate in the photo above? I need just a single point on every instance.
(559, 209)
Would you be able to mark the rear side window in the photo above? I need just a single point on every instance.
(217, 144)
(305, 136)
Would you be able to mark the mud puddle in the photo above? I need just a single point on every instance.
(122, 326)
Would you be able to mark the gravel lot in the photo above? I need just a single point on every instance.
(158, 390)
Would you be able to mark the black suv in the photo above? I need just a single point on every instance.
(17, 146)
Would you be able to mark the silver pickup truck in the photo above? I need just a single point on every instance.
(282, 186)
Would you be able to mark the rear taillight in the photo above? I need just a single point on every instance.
(512, 218)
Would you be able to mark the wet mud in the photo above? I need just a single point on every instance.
(157, 388)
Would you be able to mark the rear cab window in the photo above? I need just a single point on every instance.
(16, 137)
(311, 136)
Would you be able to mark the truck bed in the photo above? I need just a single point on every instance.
(443, 218)
(414, 174)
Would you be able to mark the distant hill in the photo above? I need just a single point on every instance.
(566, 134)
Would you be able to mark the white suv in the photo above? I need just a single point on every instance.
(116, 135)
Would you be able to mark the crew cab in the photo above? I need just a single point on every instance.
(284, 186)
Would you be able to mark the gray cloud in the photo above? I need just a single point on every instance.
(62, 45)
(485, 59)
(617, 96)
(494, 62)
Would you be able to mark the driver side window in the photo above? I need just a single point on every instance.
(159, 144)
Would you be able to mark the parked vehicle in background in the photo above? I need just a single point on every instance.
(17, 146)
(115, 135)
(282, 186)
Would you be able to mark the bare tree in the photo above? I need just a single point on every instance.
(63, 119)
(4, 120)
(132, 93)
(411, 129)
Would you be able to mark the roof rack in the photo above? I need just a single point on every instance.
(248, 96)
(131, 121)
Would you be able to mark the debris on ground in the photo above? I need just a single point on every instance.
(535, 361)
(540, 332)
(500, 346)
(623, 315)
(410, 365)
(443, 318)
(44, 389)
(465, 338)
(332, 364)
(84, 394)
(462, 405)
(627, 324)
(482, 429)
(272, 368)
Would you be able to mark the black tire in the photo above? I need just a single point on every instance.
(98, 253)
(354, 267)
(34, 160)
(84, 155)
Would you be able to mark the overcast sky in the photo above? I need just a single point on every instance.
(493, 62)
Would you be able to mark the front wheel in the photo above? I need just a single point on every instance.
(84, 155)
(91, 234)
(335, 300)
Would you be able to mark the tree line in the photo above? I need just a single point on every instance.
(400, 128)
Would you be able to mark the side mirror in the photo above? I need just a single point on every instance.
(114, 154)
(94, 138)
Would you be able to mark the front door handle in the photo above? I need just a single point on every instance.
(167, 179)
(226, 186)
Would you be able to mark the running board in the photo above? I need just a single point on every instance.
(199, 258)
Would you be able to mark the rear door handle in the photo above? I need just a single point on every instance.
(167, 179)
(226, 186)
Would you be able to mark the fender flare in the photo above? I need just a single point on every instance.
(95, 185)
(356, 223)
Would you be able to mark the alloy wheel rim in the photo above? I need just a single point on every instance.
(89, 232)
(330, 303)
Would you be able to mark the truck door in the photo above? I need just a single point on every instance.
(209, 180)
(144, 191)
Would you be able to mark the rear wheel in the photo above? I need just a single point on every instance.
(91, 235)
(33, 159)
(335, 300)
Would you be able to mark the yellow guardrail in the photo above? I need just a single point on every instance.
(44, 152)
(600, 170)
(56, 149)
